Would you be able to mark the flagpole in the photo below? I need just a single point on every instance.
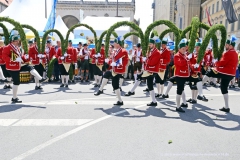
(45, 8)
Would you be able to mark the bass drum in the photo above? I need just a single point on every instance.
(24, 77)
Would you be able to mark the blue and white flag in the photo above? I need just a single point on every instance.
(51, 19)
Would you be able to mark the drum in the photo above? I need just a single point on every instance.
(24, 77)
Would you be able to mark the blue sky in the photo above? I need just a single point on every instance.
(143, 10)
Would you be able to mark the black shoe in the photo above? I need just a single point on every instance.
(43, 80)
(9, 87)
(130, 94)
(225, 109)
(152, 104)
(165, 96)
(158, 95)
(184, 105)
(16, 100)
(66, 86)
(230, 86)
(193, 101)
(36, 87)
(203, 98)
(95, 85)
(214, 85)
(5, 87)
(146, 90)
(180, 110)
(233, 86)
(190, 100)
(118, 103)
(62, 85)
(120, 89)
(98, 93)
(86, 80)
(211, 83)
(81, 80)
(40, 87)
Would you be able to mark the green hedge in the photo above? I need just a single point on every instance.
(35, 32)
(5, 33)
(79, 25)
(210, 34)
(160, 22)
(18, 27)
(125, 23)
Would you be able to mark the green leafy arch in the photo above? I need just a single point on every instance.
(164, 33)
(79, 25)
(125, 23)
(5, 33)
(35, 32)
(167, 23)
(19, 28)
(211, 32)
(101, 39)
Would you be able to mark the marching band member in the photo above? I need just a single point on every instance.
(164, 60)
(225, 69)
(16, 61)
(137, 61)
(48, 54)
(85, 63)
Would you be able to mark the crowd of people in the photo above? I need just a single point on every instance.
(117, 64)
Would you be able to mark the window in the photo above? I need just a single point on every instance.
(222, 7)
(217, 6)
(226, 24)
(239, 23)
(232, 27)
(180, 23)
(213, 9)
(220, 22)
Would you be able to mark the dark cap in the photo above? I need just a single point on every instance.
(69, 41)
(49, 41)
(80, 43)
(85, 44)
(138, 45)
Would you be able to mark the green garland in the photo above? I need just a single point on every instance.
(163, 34)
(193, 36)
(129, 34)
(125, 23)
(167, 23)
(98, 47)
(79, 25)
(185, 31)
(35, 33)
(210, 34)
(5, 33)
(52, 61)
(21, 32)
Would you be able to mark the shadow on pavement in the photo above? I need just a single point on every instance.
(13, 107)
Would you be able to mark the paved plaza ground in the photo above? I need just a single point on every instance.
(73, 124)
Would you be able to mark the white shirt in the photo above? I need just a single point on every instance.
(138, 55)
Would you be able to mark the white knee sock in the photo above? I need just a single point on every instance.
(67, 78)
(214, 80)
(99, 79)
(36, 82)
(63, 77)
(135, 76)
(184, 98)
(178, 100)
(104, 82)
(233, 81)
(225, 96)
(195, 94)
(161, 88)
(205, 78)
(199, 87)
(135, 86)
(120, 82)
(35, 74)
(96, 79)
(158, 88)
(45, 74)
(15, 89)
(152, 93)
(170, 84)
(118, 93)
(1, 74)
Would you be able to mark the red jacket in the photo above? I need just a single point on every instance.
(228, 63)
(50, 54)
(7, 54)
(33, 55)
(92, 56)
(1, 59)
(182, 65)
(71, 55)
(208, 59)
(153, 61)
(121, 53)
(193, 61)
(164, 58)
(59, 55)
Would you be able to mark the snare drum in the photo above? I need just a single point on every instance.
(24, 77)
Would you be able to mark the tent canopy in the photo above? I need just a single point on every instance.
(27, 12)
(62, 28)
(100, 24)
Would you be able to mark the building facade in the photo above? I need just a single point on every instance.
(4, 4)
(70, 10)
(217, 16)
